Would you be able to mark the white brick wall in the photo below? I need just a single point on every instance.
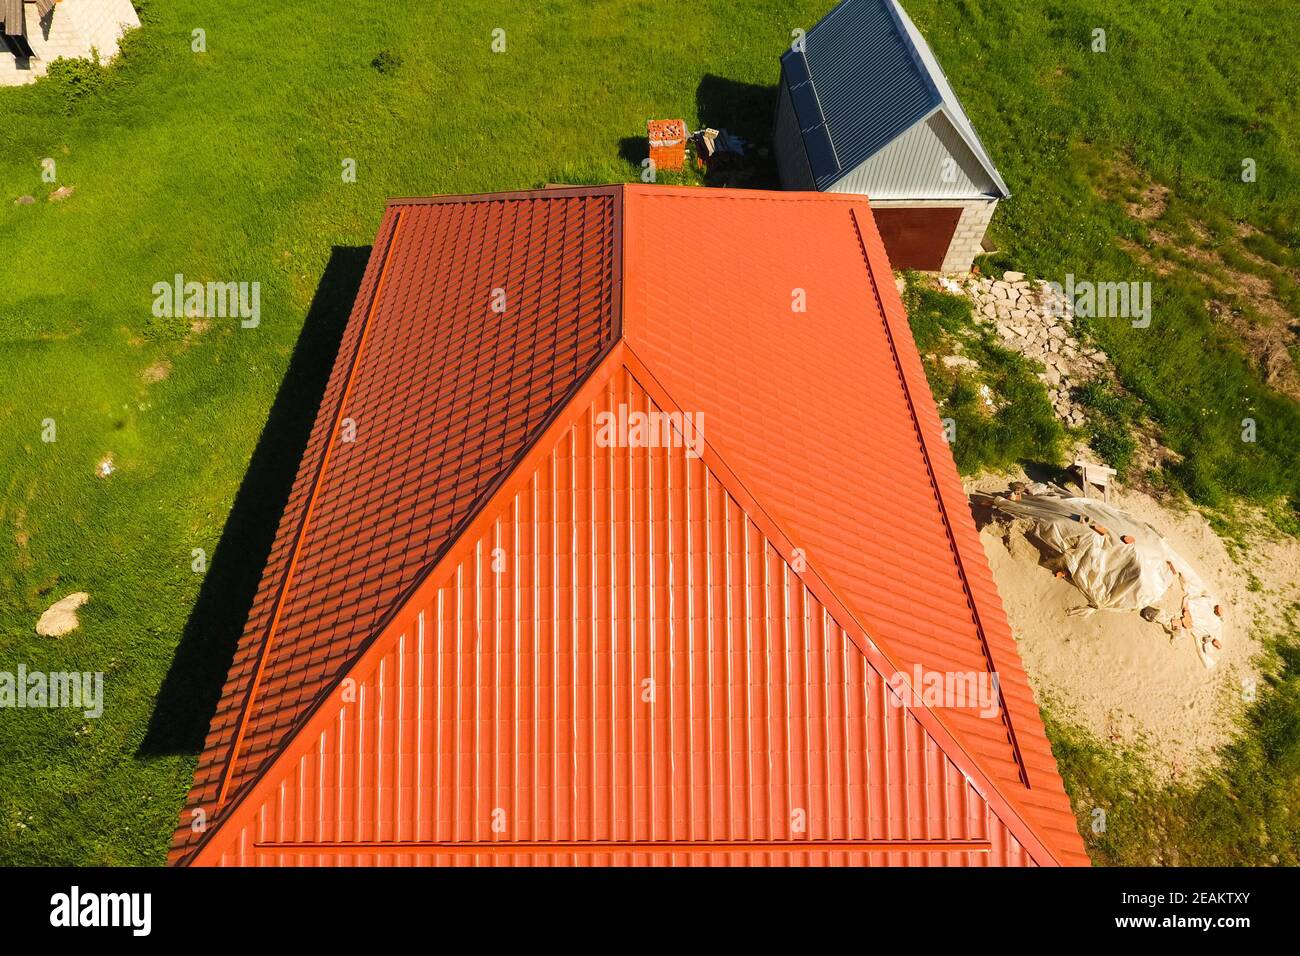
(976, 214)
(967, 240)
(73, 29)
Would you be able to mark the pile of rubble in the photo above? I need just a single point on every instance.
(1033, 319)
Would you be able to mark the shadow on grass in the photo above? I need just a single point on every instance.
(634, 150)
(190, 691)
(745, 110)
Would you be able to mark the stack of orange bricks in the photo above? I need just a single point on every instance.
(667, 143)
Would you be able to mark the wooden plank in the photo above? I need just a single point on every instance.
(11, 15)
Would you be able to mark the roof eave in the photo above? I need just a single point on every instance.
(977, 149)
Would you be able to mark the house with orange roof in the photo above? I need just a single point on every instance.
(609, 547)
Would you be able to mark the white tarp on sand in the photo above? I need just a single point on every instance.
(1119, 562)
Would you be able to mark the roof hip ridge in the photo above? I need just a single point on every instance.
(931, 720)
(943, 505)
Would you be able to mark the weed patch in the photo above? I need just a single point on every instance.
(998, 411)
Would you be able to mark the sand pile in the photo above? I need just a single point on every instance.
(1124, 679)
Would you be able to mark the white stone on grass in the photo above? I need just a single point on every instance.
(61, 617)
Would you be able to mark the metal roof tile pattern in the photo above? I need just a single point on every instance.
(826, 416)
(578, 688)
(444, 392)
(820, 435)
(864, 75)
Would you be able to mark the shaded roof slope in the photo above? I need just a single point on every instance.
(442, 393)
(818, 423)
(864, 76)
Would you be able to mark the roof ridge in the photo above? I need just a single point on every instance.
(563, 191)
(649, 191)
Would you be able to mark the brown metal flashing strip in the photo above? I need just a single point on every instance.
(563, 192)
(665, 846)
(943, 508)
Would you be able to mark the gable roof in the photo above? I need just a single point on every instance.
(864, 76)
(575, 570)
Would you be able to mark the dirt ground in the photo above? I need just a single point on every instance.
(1124, 679)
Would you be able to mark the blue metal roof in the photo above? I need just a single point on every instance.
(865, 75)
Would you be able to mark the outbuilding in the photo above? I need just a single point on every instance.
(864, 107)
(35, 33)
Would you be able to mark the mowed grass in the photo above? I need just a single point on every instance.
(226, 165)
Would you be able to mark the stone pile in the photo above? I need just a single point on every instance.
(1033, 319)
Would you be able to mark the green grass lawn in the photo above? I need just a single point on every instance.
(997, 409)
(226, 165)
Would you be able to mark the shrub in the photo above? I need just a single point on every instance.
(72, 81)
(387, 61)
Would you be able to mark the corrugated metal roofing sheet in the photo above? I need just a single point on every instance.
(864, 76)
(951, 104)
(821, 436)
(639, 677)
(827, 417)
(444, 393)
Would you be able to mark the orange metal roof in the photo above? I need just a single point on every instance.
(482, 636)
(444, 393)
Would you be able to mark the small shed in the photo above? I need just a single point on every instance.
(865, 108)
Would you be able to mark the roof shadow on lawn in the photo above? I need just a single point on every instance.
(189, 694)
